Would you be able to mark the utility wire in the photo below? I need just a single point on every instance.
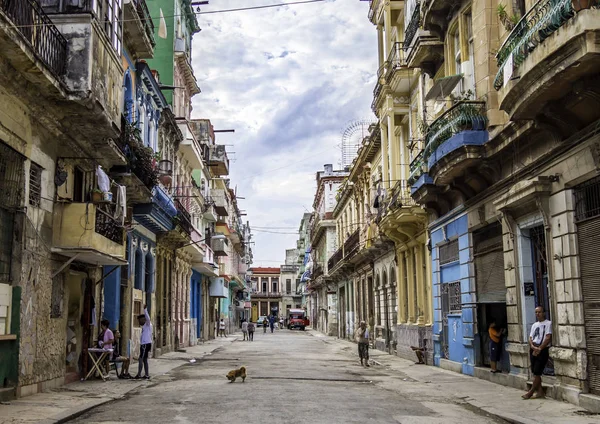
(157, 18)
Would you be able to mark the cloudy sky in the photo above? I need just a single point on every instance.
(289, 80)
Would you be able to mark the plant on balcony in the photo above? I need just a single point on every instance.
(97, 195)
(509, 22)
(141, 158)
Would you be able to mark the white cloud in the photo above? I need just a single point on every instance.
(288, 79)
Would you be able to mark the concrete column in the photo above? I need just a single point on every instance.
(421, 300)
(402, 289)
(392, 151)
(384, 148)
(412, 311)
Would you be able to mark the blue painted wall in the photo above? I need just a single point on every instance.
(112, 295)
(196, 300)
(461, 326)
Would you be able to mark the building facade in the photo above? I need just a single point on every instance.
(266, 292)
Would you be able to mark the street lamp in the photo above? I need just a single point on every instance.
(215, 237)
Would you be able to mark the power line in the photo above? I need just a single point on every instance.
(157, 18)
(258, 7)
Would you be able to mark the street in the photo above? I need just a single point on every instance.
(293, 376)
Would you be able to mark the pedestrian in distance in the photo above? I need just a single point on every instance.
(222, 328)
(362, 338)
(265, 324)
(272, 323)
(251, 331)
(495, 347)
(245, 329)
(540, 338)
(280, 323)
(145, 344)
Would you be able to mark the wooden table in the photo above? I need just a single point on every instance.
(98, 357)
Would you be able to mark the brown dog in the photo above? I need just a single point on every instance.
(233, 374)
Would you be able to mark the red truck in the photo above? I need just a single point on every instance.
(297, 319)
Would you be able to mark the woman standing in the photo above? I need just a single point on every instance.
(362, 338)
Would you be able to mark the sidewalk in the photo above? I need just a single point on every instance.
(72, 400)
(494, 399)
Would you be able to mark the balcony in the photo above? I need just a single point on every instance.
(423, 49)
(289, 269)
(320, 223)
(335, 259)
(158, 215)
(457, 136)
(97, 239)
(218, 161)
(183, 60)
(268, 295)
(75, 74)
(209, 210)
(403, 219)
(184, 218)
(219, 247)
(549, 64)
(190, 147)
(138, 29)
(39, 33)
(220, 201)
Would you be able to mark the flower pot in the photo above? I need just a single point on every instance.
(107, 196)
(165, 180)
(96, 197)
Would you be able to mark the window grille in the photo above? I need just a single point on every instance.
(449, 252)
(58, 291)
(35, 185)
(11, 177)
(587, 199)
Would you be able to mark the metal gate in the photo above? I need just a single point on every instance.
(12, 177)
(587, 215)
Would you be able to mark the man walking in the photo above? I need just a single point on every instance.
(222, 328)
(265, 323)
(245, 329)
(362, 338)
(145, 343)
(251, 331)
(540, 338)
(272, 323)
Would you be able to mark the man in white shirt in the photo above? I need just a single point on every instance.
(145, 344)
(540, 338)
(245, 329)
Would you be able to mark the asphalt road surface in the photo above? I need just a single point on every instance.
(293, 377)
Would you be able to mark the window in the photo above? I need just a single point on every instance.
(288, 285)
(110, 12)
(274, 287)
(264, 286)
(35, 185)
(449, 252)
(587, 199)
(137, 310)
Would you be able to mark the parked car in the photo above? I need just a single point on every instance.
(260, 320)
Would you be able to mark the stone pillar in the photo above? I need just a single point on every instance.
(412, 295)
(421, 300)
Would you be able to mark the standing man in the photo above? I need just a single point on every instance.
(362, 338)
(245, 329)
(540, 338)
(222, 328)
(145, 343)
(265, 323)
(272, 323)
(251, 331)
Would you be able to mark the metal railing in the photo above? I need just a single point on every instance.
(106, 226)
(545, 17)
(351, 244)
(396, 60)
(413, 26)
(45, 40)
(464, 115)
(416, 168)
(185, 220)
(335, 259)
(144, 14)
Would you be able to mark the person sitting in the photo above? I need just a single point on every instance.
(117, 357)
(419, 352)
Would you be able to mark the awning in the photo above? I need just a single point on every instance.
(443, 87)
(90, 256)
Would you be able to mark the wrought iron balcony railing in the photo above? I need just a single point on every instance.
(45, 40)
(107, 226)
(464, 115)
(416, 168)
(351, 244)
(144, 14)
(396, 60)
(545, 17)
(335, 259)
(185, 220)
(413, 26)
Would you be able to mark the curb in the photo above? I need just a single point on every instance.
(497, 413)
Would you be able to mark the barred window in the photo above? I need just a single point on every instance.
(587, 199)
(35, 185)
(449, 252)
(451, 298)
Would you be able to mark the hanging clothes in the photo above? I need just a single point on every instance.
(103, 180)
(121, 209)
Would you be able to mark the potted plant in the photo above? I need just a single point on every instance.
(97, 195)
